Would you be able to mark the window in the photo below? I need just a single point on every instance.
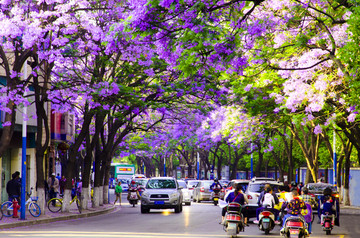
(161, 183)
(182, 183)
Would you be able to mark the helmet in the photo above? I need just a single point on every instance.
(293, 184)
(216, 180)
(305, 190)
(327, 191)
(133, 182)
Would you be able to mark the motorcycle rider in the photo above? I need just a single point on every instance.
(260, 202)
(327, 208)
(133, 187)
(294, 208)
(216, 185)
(335, 202)
(269, 204)
(235, 196)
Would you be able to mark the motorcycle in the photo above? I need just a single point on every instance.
(133, 196)
(266, 221)
(295, 226)
(215, 194)
(234, 221)
(327, 223)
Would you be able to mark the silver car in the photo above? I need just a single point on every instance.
(162, 193)
(202, 190)
(187, 194)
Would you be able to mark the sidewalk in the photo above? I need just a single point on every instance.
(9, 222)
(349, 210)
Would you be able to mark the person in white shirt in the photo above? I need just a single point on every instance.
(269, 200)
(268, 203)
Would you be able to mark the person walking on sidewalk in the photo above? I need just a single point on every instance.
(118, 191)
(13, 188)
(62, 183)
(53, 183)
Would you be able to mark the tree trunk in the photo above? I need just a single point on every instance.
(85, 195)
(346, 182)
(96, 196)
(307, 176)
(106, 180)
(106, 194)
(66, 200)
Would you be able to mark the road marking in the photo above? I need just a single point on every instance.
(125, 234)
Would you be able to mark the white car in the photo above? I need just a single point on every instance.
(187, 194)
(162, 193)
(255, 187)
(191, 184)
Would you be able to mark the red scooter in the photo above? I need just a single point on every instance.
(295, 227)
(327, 223)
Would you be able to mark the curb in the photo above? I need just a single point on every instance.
(53, 219)
(349, 210)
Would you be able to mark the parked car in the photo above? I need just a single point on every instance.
(255, 187)
(187, 194)
(202, 190)
(161, 193)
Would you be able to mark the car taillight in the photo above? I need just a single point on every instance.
(265, 213)
(191, 188)
(202, 189)
(249, 196)
(336, 195)
(294, 224)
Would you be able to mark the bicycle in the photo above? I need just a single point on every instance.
(55, 204)
(32, 206)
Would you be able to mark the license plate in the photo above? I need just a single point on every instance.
(266, 219)
(159, 202)
(215, 199)
(294, 231)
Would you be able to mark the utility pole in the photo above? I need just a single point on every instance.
(23, 155)
(252, 162)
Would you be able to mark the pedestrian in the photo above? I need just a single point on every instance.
(53, 183)
(62, 183)
(17, 173)
(79, 188)
(118, 191)
(13, 188)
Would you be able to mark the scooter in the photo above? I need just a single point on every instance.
(234, 221)
(266, 221)
(215, 195)
(133, 197)
(295, 227)
(327, 223)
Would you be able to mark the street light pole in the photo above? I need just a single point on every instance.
(252, 162)
(198, 166)
(165, 165)
(334, 157)
(23, 156)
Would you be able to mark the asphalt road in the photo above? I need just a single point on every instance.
(197, 220)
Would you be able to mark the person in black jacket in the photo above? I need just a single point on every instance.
(13, 188)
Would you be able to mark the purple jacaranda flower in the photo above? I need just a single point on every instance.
(317, 129)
